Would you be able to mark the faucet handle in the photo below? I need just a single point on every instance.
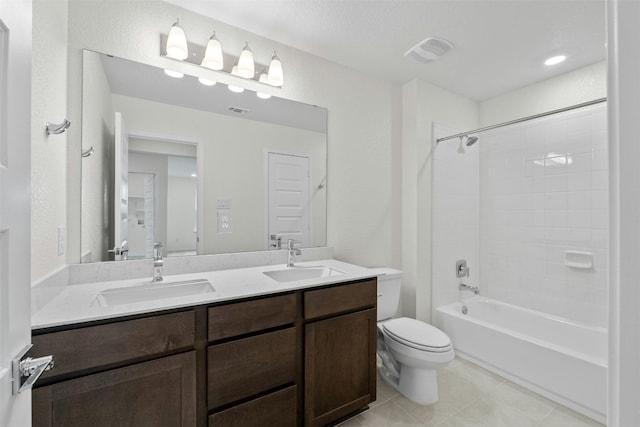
(462, 269)
(157, 250)
(291, 243)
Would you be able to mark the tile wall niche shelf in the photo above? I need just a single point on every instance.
(578, 259)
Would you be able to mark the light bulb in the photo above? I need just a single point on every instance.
(263, 79)
(177, 42)
(174, 74)
(246, 66)
(206, 82)
(275, 77)
(233, 88)
(213, 57)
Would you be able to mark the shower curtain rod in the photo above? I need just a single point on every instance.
(524, 119)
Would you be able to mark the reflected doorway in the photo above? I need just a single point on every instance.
(163, 199)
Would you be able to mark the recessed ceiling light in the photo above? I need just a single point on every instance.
(555, 60)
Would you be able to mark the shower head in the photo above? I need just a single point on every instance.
(471, 140)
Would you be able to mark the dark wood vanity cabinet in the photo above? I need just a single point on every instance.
(124, 373)
(340, 348)
(291, 359)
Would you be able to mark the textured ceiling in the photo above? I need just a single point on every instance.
(499, 45)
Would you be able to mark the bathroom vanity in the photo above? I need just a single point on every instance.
(298, 353)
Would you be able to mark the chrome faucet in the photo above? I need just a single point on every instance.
(292, 251)
(157, 262)
(473, 289)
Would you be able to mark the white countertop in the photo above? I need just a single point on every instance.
(77, 303)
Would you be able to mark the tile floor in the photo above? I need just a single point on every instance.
(470, 396)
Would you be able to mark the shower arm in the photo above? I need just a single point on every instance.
(523, 119)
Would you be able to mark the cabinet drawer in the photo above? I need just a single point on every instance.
(240, 318)
(340, 299)
(95, 346)
(274, 410)
(247, 366)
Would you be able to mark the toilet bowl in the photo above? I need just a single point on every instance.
(411, 351)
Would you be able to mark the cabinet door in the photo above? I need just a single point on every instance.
(340, 366)
(158, 393)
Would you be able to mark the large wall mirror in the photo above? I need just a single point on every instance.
(197, 168)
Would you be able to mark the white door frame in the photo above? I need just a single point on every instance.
(15, 190)
(141, 134)
(623, 92)
(265, 192)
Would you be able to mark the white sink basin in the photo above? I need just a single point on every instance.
(291, 274)
(153, 291)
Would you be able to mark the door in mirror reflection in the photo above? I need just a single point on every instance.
(289, 210)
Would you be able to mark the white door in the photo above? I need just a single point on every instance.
(15, 172)
(121, 188)
(148, 216)
(288, 205)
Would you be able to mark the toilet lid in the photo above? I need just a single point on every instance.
(417, 334)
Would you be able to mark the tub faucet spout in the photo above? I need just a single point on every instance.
(473, 289)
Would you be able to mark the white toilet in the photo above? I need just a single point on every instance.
(411, 350)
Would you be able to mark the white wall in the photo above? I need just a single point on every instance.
(361, 126)
(575, 87)
(48, 153)
(424, 105)
(181, 220)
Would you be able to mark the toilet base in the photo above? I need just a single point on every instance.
(418, 385)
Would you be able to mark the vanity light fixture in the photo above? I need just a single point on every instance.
(275, 76)
(246, 66)
(175, 46)
(177, 42)
(213, 57)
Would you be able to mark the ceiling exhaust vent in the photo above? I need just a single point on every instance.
(428, 50)
(238, 110)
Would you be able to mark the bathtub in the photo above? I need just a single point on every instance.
(559, 359)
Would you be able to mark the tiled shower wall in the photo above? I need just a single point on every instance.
(455, 216)
(543, 189)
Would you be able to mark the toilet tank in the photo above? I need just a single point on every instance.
(389, 281)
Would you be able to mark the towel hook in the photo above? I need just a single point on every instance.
(55, 129)
(87, 152)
